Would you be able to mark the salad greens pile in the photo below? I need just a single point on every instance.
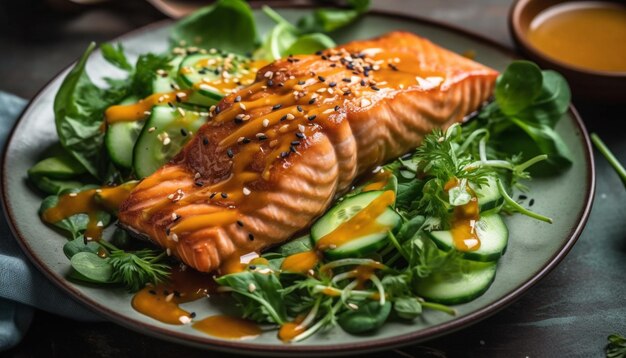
(413, 266)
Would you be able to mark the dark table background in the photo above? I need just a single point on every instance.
(568, 314)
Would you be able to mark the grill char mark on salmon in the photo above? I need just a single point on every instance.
(265, 167)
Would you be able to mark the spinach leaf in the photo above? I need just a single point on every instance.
(146, 71)
(56, 186)
(370, 316)
(407, 307)
(227, 25)
(310, 43)
(300, 244)
(276, 42)
(328, 20)
(52, 175)
(116, 56)
(75, 224)
(92, 267)
(518, 86)
(79, 244)
(78, 107)
(551, 104)
(259, 294)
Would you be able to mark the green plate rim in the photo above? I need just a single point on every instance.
(332, 349)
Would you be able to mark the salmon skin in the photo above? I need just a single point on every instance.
(274, 155)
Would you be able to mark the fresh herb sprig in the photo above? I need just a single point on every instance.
(610, 157)
(616, 348)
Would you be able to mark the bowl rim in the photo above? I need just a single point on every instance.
(521, 41)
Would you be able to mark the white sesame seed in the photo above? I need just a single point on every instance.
(353, 306)
(171, 196)
(331, 91)
(174, 237)
(174, 216)
(284, 128)
(266, 122)
(301, 128)
(273, 143)
(184, 319)
(99, 224)
(73, 194)
(268, 74)
(181, 94)
(321, 90)
(181, 111)
(196, 176)
(290, 116)
(147, 113)
(168, 252)
(246, 191)
(169, 297)
(88, 238)
(151, 129)
(166, 141)
(242, 106)
(328, 111)
(365, 102)
(251, 287)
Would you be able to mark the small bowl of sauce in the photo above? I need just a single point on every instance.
(583, 40)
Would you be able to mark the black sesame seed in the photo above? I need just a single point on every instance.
(333, 65)
(152, 292)
(318, 52)
(301, 83)
(393, 67)
(322, 79)
(262, 137)
(332, 84)
(192, 315)
(224, 195)
(531, 202)
(177, 98)
(523, 197)
(212, 196)
(312, 100)
(252, 267)
(245, 141)
(284, 154)
(292, 149)
(337, 108)
(311, 117)
(375, 88)
(324, 57)
(270, 83)
(183, 132)
(238, 120)
(167, 231)
(205, 141)
(240, 223)
(295, 142)
(170, 104)
(237, 99)
(347, 93)
(363, 83)
(299, 108)
(283, 118)
(230, 153)
(176, 293)
(276, 106)
(217, 110)
(300, 135)
(216, 71)
(199, 183)
(347, 80)
(350, 66)
(250, 237)
(366, 72)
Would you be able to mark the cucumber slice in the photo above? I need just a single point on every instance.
(120, 139)
(163, 84)
(152, 149)
(472, 281)
(488, 195)
(493, 235)
(343, 212)
(203, 69)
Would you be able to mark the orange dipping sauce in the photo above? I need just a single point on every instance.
(587, 34)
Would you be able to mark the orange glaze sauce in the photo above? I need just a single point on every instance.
(227, 327)
(162, 302)
(361, 224)
(377, 181)
(301, 262)
(588, 34)
(463, 220)
(243, 75)
(291, 330)
(89, 202)
(139, 110)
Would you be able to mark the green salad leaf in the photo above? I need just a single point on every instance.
(616, 348)
(227, 25)
(116, 56)
(79, 111)
(368, 317)
(146, 71)
(79, 244)
(329, 20)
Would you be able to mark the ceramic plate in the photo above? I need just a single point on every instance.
(534, 248)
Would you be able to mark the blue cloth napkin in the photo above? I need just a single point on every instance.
(22, 286)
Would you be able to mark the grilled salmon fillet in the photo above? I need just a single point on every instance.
(273, 155)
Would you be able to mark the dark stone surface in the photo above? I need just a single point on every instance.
(568, 314)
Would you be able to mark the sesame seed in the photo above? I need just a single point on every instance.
(328, 111)
(268, 74)
(301, 128)
(151, 129)
(73, 194)
(168, 252)
(311, 117)
(301, 83)
(261, 136)
(246, 191)
(365, 102)
(251, 287)
(347, 93)
(353, 306)
(239, 223)
(322, 79)
(184, 319)
(250, 237)
(174, 216)
(174, 237)
(300, 135)
(270, 83)
(347, 80)
(212, 196)
(299, 108)
(224, 195)
(332, 84)
(283, 118)
(273, 143)
(99, 224)
(284, 128)
(205, 141)
(337, 108)
(199, 183)
(312, 101)
(363, 83)
(192, 315)
(242, 106)
(292, 149)
(237, 99)
(276, 106)
(321, 90)
(166, 141)
(169, 297)
(183, 132)
(230, 153)
(284, 154)
(295, 142)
